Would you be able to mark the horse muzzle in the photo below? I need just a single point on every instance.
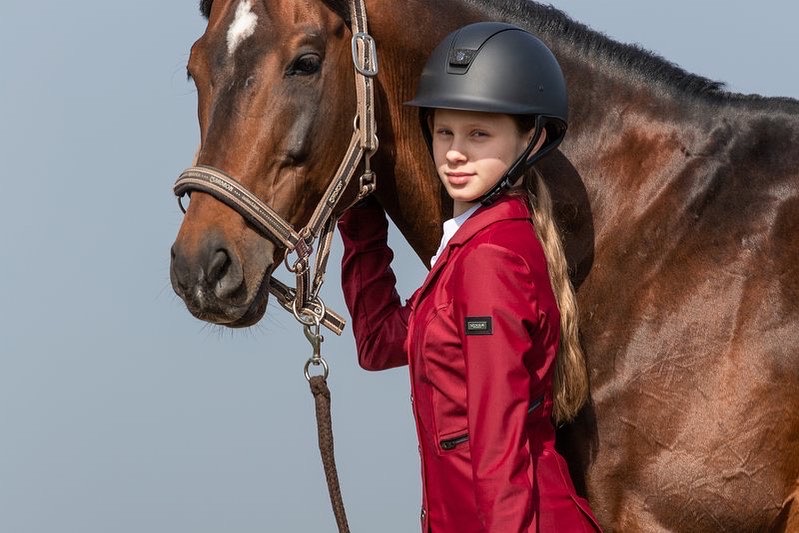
(210, 277)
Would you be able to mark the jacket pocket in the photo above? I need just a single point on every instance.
(453, 442)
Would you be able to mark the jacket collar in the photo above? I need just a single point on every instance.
(507, 207)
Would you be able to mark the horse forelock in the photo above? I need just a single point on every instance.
(557, 27)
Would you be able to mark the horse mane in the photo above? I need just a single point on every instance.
(205, 8)
(559, 28)
(548, 21)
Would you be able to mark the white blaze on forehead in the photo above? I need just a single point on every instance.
(243, 26)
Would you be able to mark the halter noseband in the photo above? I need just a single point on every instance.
(304, 301)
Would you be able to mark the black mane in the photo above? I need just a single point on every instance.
(554, 24)
(205, 7)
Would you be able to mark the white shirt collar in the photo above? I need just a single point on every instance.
(450, 227)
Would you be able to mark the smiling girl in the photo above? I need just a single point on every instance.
(491, 336)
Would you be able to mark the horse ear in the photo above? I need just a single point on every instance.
(341, 8)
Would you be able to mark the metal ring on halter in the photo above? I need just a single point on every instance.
(309, 316)
(356, 127)
(375, 146)
(303, 248)
(299, 267)
(316, 362)
(180, 204)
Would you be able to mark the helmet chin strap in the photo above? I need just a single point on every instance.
(522, 163)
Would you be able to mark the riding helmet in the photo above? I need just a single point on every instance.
(498, 68)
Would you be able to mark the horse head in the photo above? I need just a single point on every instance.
(272, 109)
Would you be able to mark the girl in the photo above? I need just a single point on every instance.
(491, 336)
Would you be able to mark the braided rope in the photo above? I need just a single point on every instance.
(324, 424)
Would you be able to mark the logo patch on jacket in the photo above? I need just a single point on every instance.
(478, 325)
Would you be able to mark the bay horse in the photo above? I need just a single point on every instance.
(679, 204)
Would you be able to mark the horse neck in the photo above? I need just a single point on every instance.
(408, 188)
(629, 138)
(654, 153)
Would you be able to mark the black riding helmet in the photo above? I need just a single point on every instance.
(498, 68)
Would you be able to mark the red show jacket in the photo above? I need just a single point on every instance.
(480, 337)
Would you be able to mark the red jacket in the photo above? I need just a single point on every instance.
(480, 337)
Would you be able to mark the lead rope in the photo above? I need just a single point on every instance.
(365, 60)
(324, 427)
(324, 422)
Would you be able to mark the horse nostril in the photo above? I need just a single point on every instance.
(207, 273)
(217, 267)
(224, 274)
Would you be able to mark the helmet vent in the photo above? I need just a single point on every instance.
(461, 57)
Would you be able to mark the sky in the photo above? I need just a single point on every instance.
(120, 412)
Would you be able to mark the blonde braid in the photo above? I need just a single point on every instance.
(570, 383)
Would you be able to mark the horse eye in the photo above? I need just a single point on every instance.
(305, 65)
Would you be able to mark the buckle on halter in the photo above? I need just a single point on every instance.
(367, 67)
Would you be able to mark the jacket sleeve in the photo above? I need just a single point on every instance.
(379, 320)
(498, 286)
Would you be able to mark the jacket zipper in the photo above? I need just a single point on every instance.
(449, 444)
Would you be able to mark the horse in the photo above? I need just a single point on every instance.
(679, 205)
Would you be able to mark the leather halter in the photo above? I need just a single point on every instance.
(304, 301)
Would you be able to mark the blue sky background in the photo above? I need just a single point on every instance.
(119, 412)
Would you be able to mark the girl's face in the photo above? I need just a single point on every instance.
(472, 150)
